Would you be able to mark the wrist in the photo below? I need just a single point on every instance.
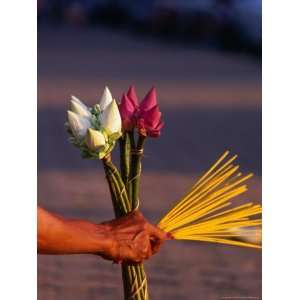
(87, 237)
(104, 238)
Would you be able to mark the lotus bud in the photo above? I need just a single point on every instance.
(106, 99)
(95, 139)
(127, 111)
(110, 118)
(79, 108)
(78, 124)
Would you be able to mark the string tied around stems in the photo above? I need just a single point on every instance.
(138, 152)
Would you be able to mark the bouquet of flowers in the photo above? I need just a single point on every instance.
(204, 214)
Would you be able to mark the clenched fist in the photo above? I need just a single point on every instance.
(133, 238)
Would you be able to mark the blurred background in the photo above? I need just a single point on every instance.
(204, 58)
(227, 24)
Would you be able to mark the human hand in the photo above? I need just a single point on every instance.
(133, 238)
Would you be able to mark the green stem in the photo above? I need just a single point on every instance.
(131, 139)
(114, 179)
(132, 147)
(136, 169)
(135, 173)
(113, 191)
(125, 148)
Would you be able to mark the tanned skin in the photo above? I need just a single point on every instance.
(129, 239)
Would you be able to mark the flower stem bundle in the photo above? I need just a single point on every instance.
(134, 277)
(206, 213)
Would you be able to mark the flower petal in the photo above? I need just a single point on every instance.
(131, 94)
(110, 118)
(127, 112)
(149, 122)
(80, 109)
(126, 107)
(95, 139)
(152, 117)
(77, 100)
(149, 101)
(106, 99)
(78, 124)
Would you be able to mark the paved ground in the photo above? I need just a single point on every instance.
(211, 102)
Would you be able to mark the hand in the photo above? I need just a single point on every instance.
(134, 239)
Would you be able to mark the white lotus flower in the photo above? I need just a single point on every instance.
(79, 108)
(106, 99)
(94, 131)
(95, 139)
(78, 124)
(110, 118)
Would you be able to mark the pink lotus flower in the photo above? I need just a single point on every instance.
(146, 117)
(128, 108)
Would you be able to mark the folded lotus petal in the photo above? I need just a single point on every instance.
(80, 109)
(131, 94)
(126, 107)
(160, 126)
(78, 100)
(127, 112)
(110, 118)
(152, 117)
(156, 132)
(95, 140)
(149, 122)
(106, 99)
(78, 124)
(149, 101)
(151, 131)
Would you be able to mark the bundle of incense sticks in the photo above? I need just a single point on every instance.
(207, 214)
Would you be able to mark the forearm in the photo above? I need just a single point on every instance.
(57, 235)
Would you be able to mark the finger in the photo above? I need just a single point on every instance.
(136, 252)
(145, 254)
(155, 247)
(157, 233)
(149, 251)
(129, 256)
(142, 245)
